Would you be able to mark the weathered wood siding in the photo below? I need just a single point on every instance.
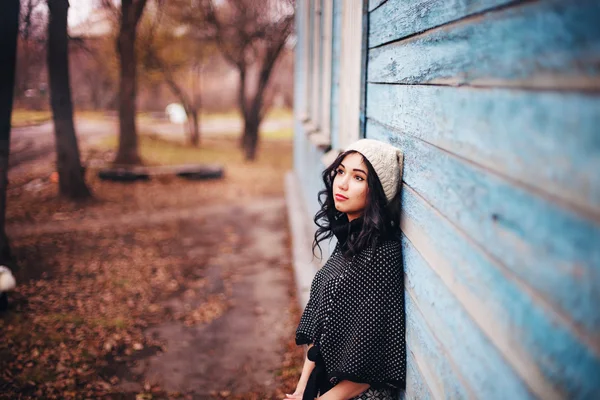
(496, 105)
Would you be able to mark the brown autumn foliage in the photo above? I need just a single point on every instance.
(87, 294)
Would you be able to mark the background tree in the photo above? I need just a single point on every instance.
(31, 56)
(250, 35)
(173, 56)
(9, 30)
(93, 51)
(71, 174)
(129, 15)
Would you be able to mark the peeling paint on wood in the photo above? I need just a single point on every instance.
(416, 387)
(438, 370)
(475, 358)
(501, 202)
(547, 141)
(552, 251)
(374, 3)
(397, 19)
(538, 44)
(553, 362)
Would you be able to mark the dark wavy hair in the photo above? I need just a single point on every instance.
(380, 220)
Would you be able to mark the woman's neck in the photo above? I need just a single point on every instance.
(353, 216)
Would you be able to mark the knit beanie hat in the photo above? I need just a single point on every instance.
(386, 160)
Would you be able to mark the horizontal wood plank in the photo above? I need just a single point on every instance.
(439, 373)
(548, 141)
(397, 19)
(374, 3)
(550, 44)
(462, 342)
(416, 388)
(554, 252)
(531, 337)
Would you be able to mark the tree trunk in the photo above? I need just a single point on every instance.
(70, 173)
(250, 137)
(242, 103)
(9, 28)
(253, 115)
(128, 140)
(252, 119)
(195, 131)
(191, 112)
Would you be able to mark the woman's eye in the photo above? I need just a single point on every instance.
(340, 171)
(359, 178)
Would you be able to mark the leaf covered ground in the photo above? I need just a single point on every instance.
(96, 277)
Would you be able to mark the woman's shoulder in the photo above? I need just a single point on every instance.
(384, 253)
(388, 247)
(384, 261)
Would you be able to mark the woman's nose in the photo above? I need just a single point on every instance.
(343, 183)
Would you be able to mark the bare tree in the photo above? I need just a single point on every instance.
(70, 173)
(129, 16)
(31, 54)
(176, 55)
(191, 103)
(9, 30)
(250, 34)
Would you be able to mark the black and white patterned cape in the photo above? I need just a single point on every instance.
(355, 316)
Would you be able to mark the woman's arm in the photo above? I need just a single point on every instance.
(306, 370)
(345, 390)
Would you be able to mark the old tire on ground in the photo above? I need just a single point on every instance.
(122, 175)
(202, 172)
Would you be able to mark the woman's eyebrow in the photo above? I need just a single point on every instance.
(355, 169)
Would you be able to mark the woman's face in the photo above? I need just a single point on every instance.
(350, 186)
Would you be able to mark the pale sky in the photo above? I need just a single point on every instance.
(79, 11)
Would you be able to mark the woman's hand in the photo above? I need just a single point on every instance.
(297, 395)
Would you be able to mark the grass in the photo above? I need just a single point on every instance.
(280, 134)
(20, 118)
(275, 113)
(280, 113)
(157, 151)
(232, 114)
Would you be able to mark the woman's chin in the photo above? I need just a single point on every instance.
(341, 208)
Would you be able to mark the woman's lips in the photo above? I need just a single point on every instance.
(339, 197)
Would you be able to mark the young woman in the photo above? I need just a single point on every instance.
(353, 323)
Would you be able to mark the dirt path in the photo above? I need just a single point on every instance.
(141, 218)
(242, 348)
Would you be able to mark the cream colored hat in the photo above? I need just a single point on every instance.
(386, 160)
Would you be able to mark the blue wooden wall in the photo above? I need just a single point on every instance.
(496, 105)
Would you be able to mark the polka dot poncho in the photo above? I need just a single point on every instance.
(355, 316)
